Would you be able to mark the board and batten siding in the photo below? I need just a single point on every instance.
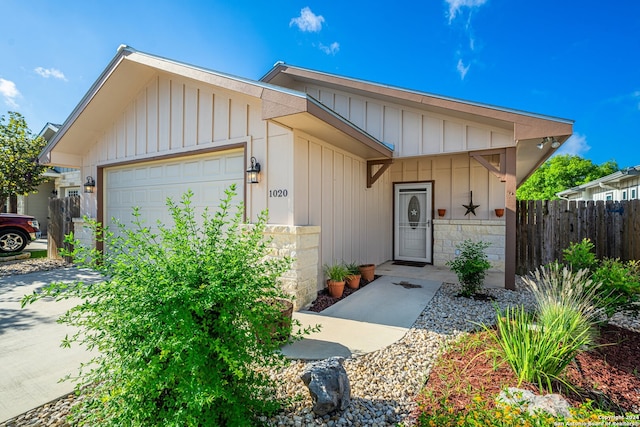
(628, 186)
(454, 177)
(330, 191)
(174, 115)
(412, 131)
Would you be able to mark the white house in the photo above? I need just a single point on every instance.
(350, 170)
(621, 185)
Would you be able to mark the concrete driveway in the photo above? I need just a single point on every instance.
(31, 359)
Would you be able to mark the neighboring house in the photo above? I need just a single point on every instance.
(61, 181)
(621, 185)
(350, 170)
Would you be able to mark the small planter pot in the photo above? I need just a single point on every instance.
(367, 271)
(281, 326)
(353, 281)
(336, 289)
(499, 212)
(442, 212)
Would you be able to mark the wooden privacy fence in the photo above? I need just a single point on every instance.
(544, 228)
(61, 214)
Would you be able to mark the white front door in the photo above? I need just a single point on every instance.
(413, 231)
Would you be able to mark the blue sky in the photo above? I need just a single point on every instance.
(571, 59)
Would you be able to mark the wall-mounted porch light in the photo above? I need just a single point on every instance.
(253, 171)
(90, 185)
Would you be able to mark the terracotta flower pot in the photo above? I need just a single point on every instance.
(442, 212)
(336, 289)
(499, 212)
(367, 271)
(353, 281)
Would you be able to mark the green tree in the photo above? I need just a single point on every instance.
(560, 173)
(20, 172)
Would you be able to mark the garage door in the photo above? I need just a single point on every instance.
(148, 185)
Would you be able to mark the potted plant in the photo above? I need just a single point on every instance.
(336, 274)
(353, 278)
(470, 266)
(367, 271)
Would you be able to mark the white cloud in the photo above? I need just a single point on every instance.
(462, 69)
(307, 21)
(50, 72)
(9, 92)
(455, 6)
(332, 49)
(575, 145)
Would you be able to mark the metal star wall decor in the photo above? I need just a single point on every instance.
(471, 208)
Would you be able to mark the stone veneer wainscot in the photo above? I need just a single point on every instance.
(447, 233)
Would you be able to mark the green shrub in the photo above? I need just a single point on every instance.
(539, 348)
(182, 325)
(580, 256)
(620, 288)
(620, 281)
(470, 266)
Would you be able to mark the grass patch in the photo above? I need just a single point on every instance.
(8, 254)
(40, 253)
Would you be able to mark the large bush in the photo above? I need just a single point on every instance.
(182, 324)
(619, 281)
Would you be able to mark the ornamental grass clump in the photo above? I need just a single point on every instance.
(181, 324)
(541, 345)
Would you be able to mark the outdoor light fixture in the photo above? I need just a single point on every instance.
(253, 171)
(554, 142)
(90, 185)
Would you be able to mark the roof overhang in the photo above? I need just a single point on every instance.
(130, 70)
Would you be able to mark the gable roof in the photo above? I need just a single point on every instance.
(526, 125)
(130, 69)
(613, 178)
(530, 130)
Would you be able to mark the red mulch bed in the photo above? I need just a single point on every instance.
(608, 375)
(324, 300)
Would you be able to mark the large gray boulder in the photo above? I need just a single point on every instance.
(328, 385)
(553, 404)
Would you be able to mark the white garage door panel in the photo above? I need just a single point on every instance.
(148, 185)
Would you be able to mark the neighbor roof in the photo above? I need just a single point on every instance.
(611, 178)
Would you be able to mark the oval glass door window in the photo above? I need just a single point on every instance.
(413, 212)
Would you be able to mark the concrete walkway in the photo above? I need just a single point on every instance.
(372, 318)
(31, 359)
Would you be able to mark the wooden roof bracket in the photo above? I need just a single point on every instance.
(384, 165)
(479, 157)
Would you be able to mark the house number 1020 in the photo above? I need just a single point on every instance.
(278, 193)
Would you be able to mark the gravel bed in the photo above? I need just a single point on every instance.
(383, 383)
(31, 266)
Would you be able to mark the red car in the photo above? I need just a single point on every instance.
(17, 231)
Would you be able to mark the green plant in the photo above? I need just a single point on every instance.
(480, 414)
(183, 335)
(620, 285)
(352, 268)
(619, 282)
(580, 255)
(540, 347)
(336, 272)
(470, 265)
